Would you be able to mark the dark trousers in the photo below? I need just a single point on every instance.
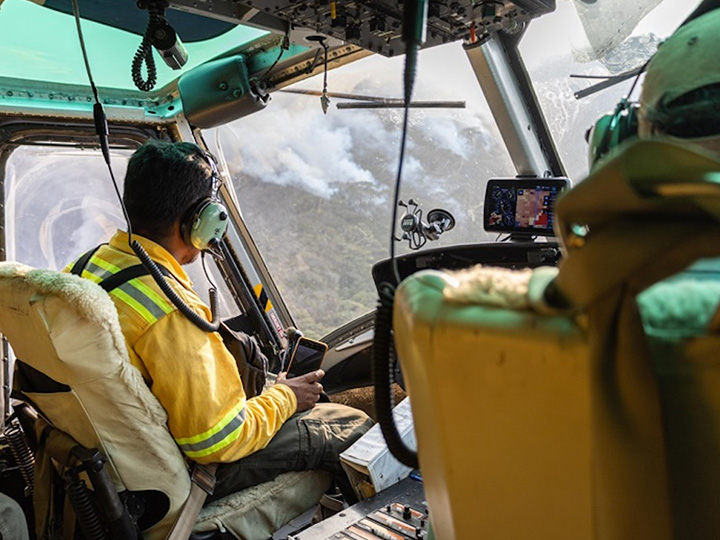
(308, 440)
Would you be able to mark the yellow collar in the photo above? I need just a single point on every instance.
(157, 253)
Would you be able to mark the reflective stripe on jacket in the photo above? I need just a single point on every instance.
(149, 305)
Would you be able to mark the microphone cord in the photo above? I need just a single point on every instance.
(144, 53)
(100, 119)
(413, 35)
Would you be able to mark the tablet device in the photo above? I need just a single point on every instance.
(307, 356)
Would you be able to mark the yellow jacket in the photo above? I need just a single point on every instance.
(190, 371)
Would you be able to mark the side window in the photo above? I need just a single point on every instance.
(316, 189)
(60, 202)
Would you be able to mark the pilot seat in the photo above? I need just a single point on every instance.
(94, 408)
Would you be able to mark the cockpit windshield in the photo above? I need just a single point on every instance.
(316, 189)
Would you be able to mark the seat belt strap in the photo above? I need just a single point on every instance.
(203, 484)
(123, 276)
(81, 263)
(131, 272)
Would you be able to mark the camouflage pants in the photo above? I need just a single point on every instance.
(308, 440)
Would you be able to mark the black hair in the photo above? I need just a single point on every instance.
(163, 181)
(694, 114)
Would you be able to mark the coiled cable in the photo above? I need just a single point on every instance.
(186, 310)
(87, 517)
(383, 377)
(144, 54)
(21, 453)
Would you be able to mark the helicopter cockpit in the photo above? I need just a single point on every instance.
(302, 103)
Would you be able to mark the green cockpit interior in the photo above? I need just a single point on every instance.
(36, 43)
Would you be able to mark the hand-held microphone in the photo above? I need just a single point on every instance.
(168, 44)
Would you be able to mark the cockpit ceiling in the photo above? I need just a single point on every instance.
(125, 15)
(376, 25)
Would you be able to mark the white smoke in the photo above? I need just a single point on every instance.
(293, 143)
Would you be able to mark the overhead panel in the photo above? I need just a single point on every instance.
(377, 24)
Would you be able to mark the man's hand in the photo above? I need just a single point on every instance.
(307, 388)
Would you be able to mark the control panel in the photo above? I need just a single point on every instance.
(398, 513)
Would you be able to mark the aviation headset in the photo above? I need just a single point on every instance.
(207, 220)
(612, 129)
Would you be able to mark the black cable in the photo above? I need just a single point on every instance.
(283, 48)
(396, 194)
(99, 117)
(383, 375)
(205, 270)
(76, 12)
(383, 349)
(178, 302)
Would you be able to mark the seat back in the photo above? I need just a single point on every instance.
(501, 406)
(66, 328)
(602, 422)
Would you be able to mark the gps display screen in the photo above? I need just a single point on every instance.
(524, 206)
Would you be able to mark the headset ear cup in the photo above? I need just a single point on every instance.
(599, 138)
(207, 224)
(186, 224)
(611, 130)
